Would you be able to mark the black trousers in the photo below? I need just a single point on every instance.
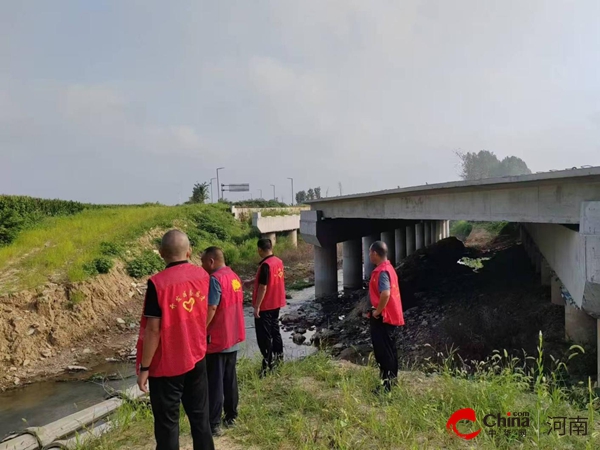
(383, 336)
(222, 387)
(167, 393)
(269, 339)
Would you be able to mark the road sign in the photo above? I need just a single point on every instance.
(236, 187)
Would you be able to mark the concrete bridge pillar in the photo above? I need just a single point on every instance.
(432, 232)
(271, 236)
(326, 282)
(556, 291)
(367, 264)
(389, 237)
(352, 264)
(410, 240)
(293, 236)
(419, 236)
(400, 244)
(580, 327)
(427, 233)
(447, 228)
(438, 230)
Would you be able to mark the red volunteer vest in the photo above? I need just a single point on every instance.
(183, 299)
(227, 327)
(392, 313)
(275, 296)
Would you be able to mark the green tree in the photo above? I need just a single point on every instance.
(199, 193)
(318, 192)
(300, 197)
(310, 195)
(511, 166)
(485, 164)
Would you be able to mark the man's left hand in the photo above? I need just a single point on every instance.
(376, 315)
(142, 381)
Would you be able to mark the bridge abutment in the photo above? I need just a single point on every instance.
(580, 327)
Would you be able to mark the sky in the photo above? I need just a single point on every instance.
(132, 101)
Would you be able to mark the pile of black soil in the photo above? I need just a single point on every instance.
(500, 306)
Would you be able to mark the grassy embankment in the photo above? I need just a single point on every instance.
(82, 240)
(317, 403)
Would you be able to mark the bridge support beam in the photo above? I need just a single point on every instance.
(419, 236)
(389, 237)
(580, 327)
(400, 244)
(352, 264)
(410, 240)
(427, 233)
(447, 228)
(326, 282)
(368, 265)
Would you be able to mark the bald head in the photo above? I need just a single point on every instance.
(378, 252)
(175, 246)
(213, 259)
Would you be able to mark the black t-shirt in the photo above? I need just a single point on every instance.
(265, 270)
(151, 306)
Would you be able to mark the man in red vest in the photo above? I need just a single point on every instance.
(386, 313)
(171, 347)
(226, 330)
(268, 297)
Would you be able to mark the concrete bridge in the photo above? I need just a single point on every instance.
(559, 213)
(271, 225)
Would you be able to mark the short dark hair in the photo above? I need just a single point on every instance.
(214, 252)
(380, 248)
(265, 244)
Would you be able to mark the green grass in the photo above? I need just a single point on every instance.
(317, 403)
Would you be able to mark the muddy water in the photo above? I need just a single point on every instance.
(44, 402)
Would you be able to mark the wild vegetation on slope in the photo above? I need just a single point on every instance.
(89, 241)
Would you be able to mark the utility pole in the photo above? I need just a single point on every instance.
(292, 180)
(219, 195)
(274, 197)
(260, 190)
(211, 189)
